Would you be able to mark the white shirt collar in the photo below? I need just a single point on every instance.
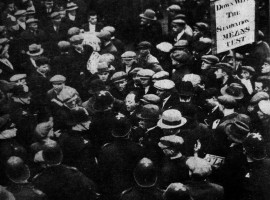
(180, 35)
(146, 89)
(92, 28)
(71, 17)
(33, 62)
(7, 63)
(165, 100)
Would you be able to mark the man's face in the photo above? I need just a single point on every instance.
(72, 103)
(22, 18)
(58, 87)
(11, 7)
(144, 21)
(145, 82)
(92, 19)
(44, 68)
(127, 62)
(211, 102)
(265, 68)
(205, 65)
(33, 26)
(121, 85)
(130, 102)
(219, 73)
(258, 86)
(103, 76)
(144, 52)
(245, 74)
(72, 12)
(176, 28)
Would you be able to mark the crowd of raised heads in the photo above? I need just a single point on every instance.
(95, 104)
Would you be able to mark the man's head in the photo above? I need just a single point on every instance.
(173, 10)
(171, 145)
(148, 16)
(119, 79)
(164, 88)
(103, 71)
(72, 8)
(208, 61)
(92, 17)
(210, 96)
(55, 17)
(247, 72)
(178, 25)
(132, 101)
(145, 77)
(265, 68)
(226, 102)
(58, 82)
(223, 70)
(144, 48)
(43, 64)
(128, 58)
(32, 24)
(264, 109)
(148, 116)
(262, 84)
(20, 15)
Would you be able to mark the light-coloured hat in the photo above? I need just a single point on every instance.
(128, 55)
(173, 7)
(118, 76)
(264, 106)
(110, 29)
(170, 119)
(35, 50)
(76, 39)
(179, 21)
(258, 97)
(199, 166)
(17, 77)
(164, 47)
(195, 79)
(170, 141)
(145, 73)
(73, 31)
(20, 12)
(71, 6)
(31, 20)
(58, 79)
(164, 84)
(160, 75)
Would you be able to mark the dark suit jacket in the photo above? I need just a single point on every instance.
(99, 26)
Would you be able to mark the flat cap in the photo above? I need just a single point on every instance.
(199, 166)
(181, 44)
(181, 56)
(102, 67)
(20, 12)
(224, 66)
(17, 77)
(211, 59)
(55, 15)
(258, 97)
(3, 41)
(264, 106)
(170, 141)
(195, 79)
(106, 35)
(149, 112)
(128, 55)
(63, 45)
(202, 26)
(165, 84)
(76, 39)
(58, 79)
(31, 20)
(179, 21)
(150, 99)
(248, 68)
(73, 31)
(135, 70)
(173, 7)
(144, 45)
(118, 76)
(145, 73)
(109, 29)
(160, 75)
(164, 47)
(71, 6)
(227, 100)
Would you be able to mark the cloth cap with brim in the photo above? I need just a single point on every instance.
(203, 44)
(173, 7)
(109, 29)
(105, 35)
(164, 47)
(225, 67)
(135, 71)
(17, 171)
(144, 45)
(71, 6)
(160, 75)
(35, 50)
(235, 92)
(177, 191)
(30, 12)
(264, 106)
(181, 56)
(64, 46)
(128, 55)
(227, 101)
(180, 44)
(149, 14)
(31, 20)
(210, 59)
(17, 77)
(96, 86)
(171, 119)
(248, 68)
(149, 112)
(145, 73)
(118, 77)
(180, 22)
(185, 88)
(102, 67)
(76, 39)
(58, 79)
(20, 13)
(73, 31)
(202, 26)
(258, 97)
(150, 99)
(165, 84)
(55, 15)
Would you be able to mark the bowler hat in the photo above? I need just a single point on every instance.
(52, 153)
(254, 146)
(170, 119)
(149, 112)
(17, 171)
(176, 191)
(149, 14)
(103, 101)
(34, 50)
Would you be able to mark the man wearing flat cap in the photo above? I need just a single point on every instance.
(106, 43)
(178, 30)
(146, 59)
(150, 29)
(21, 19)
(207, 71)
(119, 89)
(129, 61)
(144, 76)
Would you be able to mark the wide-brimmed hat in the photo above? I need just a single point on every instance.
(35, 50)
(238, 129)
(17, 171)
(233, 90)
(149, 14)
(170, 119)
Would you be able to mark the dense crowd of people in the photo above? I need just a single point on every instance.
(86, 114)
